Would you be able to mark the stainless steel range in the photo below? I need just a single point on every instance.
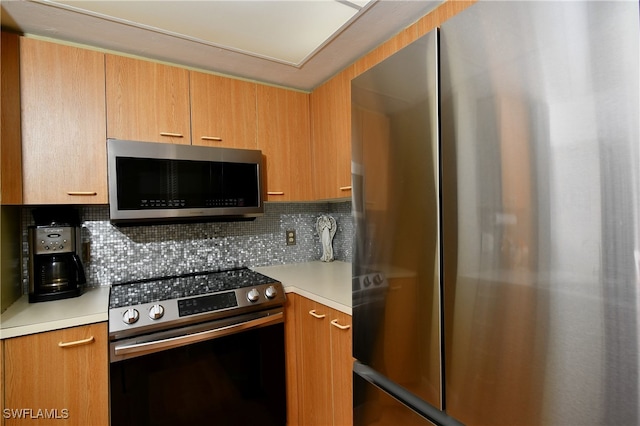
(141, 306)
(214, 338)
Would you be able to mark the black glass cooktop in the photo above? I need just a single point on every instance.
(176, 287)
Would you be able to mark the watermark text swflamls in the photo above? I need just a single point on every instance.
(35, 413)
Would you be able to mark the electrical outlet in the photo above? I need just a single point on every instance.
(291, 237)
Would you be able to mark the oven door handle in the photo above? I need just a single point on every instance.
(143, 348)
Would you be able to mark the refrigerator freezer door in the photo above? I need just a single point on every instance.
(541, 213)
(396, 290)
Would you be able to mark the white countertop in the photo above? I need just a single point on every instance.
(328, 283)
(22, 317)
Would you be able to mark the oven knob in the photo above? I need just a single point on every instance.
(156, 312)
(130, 316)
(271, 292)
(253, 295)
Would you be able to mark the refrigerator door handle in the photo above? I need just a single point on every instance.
(425, 409)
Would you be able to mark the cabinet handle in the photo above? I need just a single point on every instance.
(173, 135)
(341, 327)
(316, 315)
(345, 188)
(275, 193)
(211, 138)
(76, 343)
(82, 193)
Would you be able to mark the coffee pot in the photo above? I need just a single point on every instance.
(55, 267)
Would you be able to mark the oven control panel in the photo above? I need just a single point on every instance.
(209, 303)
(129, 320)
(272, 293)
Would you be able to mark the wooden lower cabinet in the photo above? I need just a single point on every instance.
(291, 359)
(57, 377)
(323, 365)
(341, 368)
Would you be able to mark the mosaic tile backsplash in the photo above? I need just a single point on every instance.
(119, 254)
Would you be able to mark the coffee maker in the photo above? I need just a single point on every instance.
(55, 267)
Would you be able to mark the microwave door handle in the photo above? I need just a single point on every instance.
(80, 276)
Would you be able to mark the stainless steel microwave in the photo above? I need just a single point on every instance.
(164, 182)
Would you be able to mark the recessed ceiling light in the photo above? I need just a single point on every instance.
(289, 32)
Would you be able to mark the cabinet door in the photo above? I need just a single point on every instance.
(147, 101)
(291, 355)
(223, 111)
(63, 124)
(341, 368)
(64, 373)
(10, 148)
(331, 138)
(314, 363)
(283, 137)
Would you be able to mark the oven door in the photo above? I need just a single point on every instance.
(224, 372)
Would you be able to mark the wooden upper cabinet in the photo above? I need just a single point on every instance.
(331, 138)
(63, 124)
(147, 101)
(283, 137)
(223, 111)
(10, 138)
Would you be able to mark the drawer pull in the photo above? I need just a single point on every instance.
(76, 343)
(82, 193)
(173, 135)
(341, 327)
(345, 188)
(275, 193)
(314, 314)
(211, 138)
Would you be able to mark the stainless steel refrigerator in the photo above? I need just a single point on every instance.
(496, 176)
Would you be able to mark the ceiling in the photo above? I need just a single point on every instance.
(293, 43)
